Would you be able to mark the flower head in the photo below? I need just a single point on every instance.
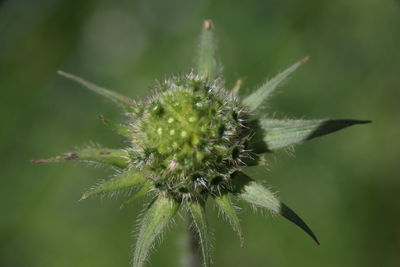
(189, 143)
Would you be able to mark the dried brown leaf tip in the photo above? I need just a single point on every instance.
(208, 24)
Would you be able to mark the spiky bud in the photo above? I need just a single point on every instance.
(189, 142)
(189, 137)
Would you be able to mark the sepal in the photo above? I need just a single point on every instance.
(142, 192)
(117, 98)
(119, 128)
(271, 135)
(156, 218)
(198, 215)
(207, 65)
(225, 205)
(105, 156)
(256, 194)
(259, 97)
(125, 180)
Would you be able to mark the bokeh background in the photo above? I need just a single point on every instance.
(346, 186)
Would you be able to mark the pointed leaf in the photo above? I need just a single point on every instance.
(153, 223)
(127, 179)
(224, 203)
(197, 211)
(254, 193)
(111, 95)
(114, 157)
(277, 134)
(207, 65)
(121, 129)
(256, 99)
(143, 191)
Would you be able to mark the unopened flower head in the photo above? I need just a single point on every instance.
(189, 137)
(190, 142)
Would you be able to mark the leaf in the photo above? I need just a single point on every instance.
(207, 65)
(111, 95)
(120, 129)
(125, 180)
(256, 99)
(143, 191)
(197, 211)
(113, 157)
(224, 203)
(277, 134)
(254, 193)
(153, 223)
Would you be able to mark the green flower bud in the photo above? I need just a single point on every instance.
(187, 128)
(190, 141)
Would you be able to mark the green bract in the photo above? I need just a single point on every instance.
(189, 142)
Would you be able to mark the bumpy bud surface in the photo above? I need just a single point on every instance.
(189, 137)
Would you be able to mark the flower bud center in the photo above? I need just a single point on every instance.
(190, 129)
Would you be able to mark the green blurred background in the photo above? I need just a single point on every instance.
(346, 186)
